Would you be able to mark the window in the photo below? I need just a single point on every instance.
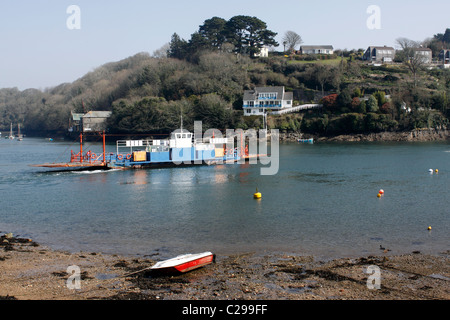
(267, 96)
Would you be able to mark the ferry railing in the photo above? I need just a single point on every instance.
(89, 157)
(132, 144)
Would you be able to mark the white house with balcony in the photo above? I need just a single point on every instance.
(266, 99)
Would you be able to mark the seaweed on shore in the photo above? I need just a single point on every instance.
(7, 241)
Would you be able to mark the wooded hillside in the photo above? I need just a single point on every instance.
(147, 94)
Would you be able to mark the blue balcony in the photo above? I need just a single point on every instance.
(267, 98)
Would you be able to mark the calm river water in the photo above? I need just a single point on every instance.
(323, 201)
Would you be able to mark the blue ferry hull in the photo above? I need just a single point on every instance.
(173, 157)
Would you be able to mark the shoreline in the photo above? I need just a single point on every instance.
(418, 135)
(29, 271)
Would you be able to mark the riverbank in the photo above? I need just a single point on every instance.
(29, 271)
(419, 135)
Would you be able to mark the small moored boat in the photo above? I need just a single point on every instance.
(185, 263)
(311, 140)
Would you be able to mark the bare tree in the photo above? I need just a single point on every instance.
(161, 52)
(321, 74)
(410, 56)
(292, 39)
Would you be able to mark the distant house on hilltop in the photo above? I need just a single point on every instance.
(260, 99)
(263, 52)
(327, 49)
(425, 53)
(379, 54)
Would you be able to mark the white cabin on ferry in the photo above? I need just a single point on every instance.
(180, 139)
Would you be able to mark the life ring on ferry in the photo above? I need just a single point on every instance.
(128, 157)
(119, 157)
(93, 155)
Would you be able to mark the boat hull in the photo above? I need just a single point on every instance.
(184, 263)
(306, 140)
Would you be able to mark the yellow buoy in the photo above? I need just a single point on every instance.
(379, 195)
(429, 227)
(436, 170)
(257, 195)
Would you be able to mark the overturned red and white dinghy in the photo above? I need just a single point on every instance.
(185, 263)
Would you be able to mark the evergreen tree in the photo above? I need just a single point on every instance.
(178, 47)
(249, 34)
(213, 32)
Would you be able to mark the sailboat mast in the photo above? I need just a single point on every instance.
(11, 133)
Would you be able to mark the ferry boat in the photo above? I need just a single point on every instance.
(180, 149)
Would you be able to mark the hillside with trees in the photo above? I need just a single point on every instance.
(203, 78)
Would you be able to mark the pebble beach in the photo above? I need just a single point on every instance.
(29, 271)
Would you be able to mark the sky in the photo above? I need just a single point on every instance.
(43, 44)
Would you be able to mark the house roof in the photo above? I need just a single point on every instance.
(381, 47)
(97, 114)
(252, 94)
(288, 96)
(422, 49)
(77, 116)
